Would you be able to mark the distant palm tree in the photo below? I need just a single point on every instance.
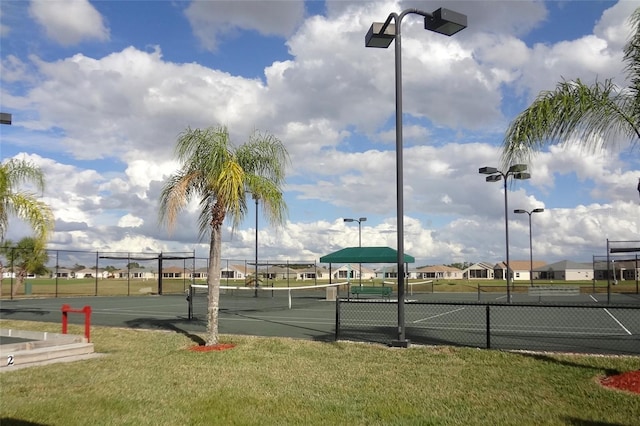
(221, 176)
(23, 204)
(593, 117)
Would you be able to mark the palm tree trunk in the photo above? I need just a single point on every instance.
(1, 277)
(213, 280)
(19, 280)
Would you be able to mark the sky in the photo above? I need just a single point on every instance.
(99, 92)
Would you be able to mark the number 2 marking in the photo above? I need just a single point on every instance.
(9, 359)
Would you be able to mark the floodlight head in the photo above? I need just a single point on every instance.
(375, 39)
(539, 210)
(362, 219)
(5, 118)
(521, 176)
(516, 168)
(493, 178)
(487, 170)
(349, 220)
(520, 211)
(445, 21)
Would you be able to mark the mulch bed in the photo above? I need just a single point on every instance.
(218, 347)
(629, 381)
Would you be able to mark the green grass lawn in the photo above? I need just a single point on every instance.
(150, 378)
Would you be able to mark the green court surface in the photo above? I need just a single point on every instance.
(262, 316)
(584, 323)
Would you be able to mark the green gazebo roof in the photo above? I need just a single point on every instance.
(365, 255)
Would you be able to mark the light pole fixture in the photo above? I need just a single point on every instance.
(359, 220)
(520, 211)
(5, 118)
(517, 171)
(442, 21)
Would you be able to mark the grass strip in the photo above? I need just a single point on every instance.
(150, 378)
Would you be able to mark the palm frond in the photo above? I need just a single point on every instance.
(592, 116)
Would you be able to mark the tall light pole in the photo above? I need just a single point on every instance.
(359, 220)
(442, 21)
(520, 211)
(517, 171)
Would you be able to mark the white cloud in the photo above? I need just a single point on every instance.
(328, 103)
(130, 221)
(69, 22)
(212, 20)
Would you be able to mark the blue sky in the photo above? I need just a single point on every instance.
(99, 92)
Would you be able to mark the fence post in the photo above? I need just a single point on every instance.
(488, 312)
(337, 319)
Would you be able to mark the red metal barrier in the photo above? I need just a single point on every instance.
(87, 319)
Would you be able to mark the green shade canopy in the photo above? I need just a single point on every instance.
(365, 255)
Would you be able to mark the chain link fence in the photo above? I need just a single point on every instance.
(598, 328)
(99, 273)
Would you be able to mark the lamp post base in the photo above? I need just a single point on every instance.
(400, 343)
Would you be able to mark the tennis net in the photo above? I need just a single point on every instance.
(415, 287)
(241, 298)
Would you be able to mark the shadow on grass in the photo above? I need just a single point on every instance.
(17, 422)
(165, 324)
(581, 422)
(568, 363)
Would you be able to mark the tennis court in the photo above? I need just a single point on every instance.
(311, 315)
(583, 323)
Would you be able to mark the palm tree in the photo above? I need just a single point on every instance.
(23, 204)
(594, 117)
(220, 176)
(28, 256)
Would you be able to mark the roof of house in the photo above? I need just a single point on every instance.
(438, 268)
(564, 265)
(365, 255)
(483, 265)
(521, 265)
(356, 266)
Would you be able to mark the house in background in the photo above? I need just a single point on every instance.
(565, 270)
(235, 272)
(277, 272)
(480, 270)
(626, 269)
(310, 273)
(201, 273)
(136, 273)
(352, 271)
(439, 272)
(62, 273)
(90, 273)
(176, 272)
(8, 273)
(520, 269)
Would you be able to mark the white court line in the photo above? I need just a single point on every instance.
(530, 332)
(594, 299)
(618, 322)
(439, 315)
